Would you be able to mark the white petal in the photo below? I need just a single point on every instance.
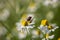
(53, 30)
(51, 37)
(41, 35)
(43, 39)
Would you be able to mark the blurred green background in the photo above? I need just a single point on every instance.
(12, 10)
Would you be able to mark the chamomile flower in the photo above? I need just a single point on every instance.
(46, 2)
(35, 33)
(43, 26)
(46, 29)
(3, 30)
(26, 22)
(4, 15)
(32, 7)
(22, 34)
(50, 15)
(50, 2)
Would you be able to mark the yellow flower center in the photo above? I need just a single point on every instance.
(44, 22)
(47, 36)
(58, 38)
(49, 27)
(38, 32)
